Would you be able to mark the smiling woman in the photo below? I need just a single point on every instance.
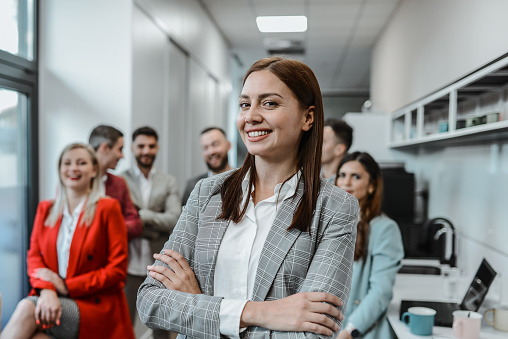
(77, 260)
(267, 249)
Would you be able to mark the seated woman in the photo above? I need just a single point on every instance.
(266, 249)
(77, 260)
(378, 251)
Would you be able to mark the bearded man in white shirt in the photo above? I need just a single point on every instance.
(156, 196)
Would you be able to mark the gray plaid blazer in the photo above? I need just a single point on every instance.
(291, 261)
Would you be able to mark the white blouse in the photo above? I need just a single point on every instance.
(239, 253)
(65, 234)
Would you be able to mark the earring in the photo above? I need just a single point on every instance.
(371, 191)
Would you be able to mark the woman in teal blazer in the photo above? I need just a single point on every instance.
(378, 251)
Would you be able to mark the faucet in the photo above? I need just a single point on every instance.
(449, 256)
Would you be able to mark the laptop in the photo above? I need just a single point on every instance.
(472, 301)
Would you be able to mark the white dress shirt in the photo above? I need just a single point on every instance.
(65, 234)
(239, 253)
(140, 251)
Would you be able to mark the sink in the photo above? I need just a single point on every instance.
(417, 269)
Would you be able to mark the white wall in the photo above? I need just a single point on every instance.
(181, 79)
(84, 73)
(427, 45)
(113, 62)
(431, 43)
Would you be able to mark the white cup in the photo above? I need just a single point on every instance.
(466, 324)
(499, 318)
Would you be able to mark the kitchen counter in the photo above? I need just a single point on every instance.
(429, 287)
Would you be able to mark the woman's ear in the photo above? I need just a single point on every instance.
(308, 118)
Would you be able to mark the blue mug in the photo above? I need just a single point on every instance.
(420, 320)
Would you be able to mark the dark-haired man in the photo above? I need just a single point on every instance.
(108, 144)
(337, 139)
(156, 196)
(215, 147)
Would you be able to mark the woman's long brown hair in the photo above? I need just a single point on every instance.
(370, 207)
(303, 83)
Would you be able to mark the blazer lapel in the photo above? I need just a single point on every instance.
(154, 192)
(209, 239)
(134, 189)
(207, 243)
(278, 243)
(76, 245)
(50, 239)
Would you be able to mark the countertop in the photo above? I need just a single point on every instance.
(429, 287)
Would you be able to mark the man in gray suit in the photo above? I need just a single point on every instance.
(215, 147)
(155, 195)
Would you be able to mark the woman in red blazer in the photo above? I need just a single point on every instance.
(77, 260)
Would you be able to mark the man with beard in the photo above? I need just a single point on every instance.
(215, 148)
(156, 196)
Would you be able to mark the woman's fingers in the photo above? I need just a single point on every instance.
(321, 324)
(324, 297)
(308, 312)
(178, 275)
(168, 260)
(180, 259)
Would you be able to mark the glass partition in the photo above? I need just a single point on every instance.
(13, 190)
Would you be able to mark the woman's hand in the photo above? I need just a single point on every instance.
(344, 335)
(301, 312)
(179, 276)
(48, 275)
(48, 310)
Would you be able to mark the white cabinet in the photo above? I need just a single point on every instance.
(472, 109)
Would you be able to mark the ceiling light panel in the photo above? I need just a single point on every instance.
(282, 24)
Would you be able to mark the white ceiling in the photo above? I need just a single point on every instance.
(338, 41)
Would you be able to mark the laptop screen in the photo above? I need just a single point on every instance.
(479, 287)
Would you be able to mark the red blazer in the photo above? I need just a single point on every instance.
(96, 272)
(116, 187)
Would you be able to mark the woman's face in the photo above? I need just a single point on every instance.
(77, 170)
(354, 179)
(271, 121)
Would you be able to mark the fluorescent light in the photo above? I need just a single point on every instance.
(282, 24)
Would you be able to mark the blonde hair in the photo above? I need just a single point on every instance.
(61, 197)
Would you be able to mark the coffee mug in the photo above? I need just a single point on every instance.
(499, 318)
(419, 319)
(466, 324)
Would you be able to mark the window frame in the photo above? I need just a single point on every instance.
(21, 75)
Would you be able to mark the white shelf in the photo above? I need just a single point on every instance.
(481, 92)
(492, 131)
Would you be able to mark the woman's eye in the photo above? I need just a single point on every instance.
(244, 105)
(270, 104)
(342, 175)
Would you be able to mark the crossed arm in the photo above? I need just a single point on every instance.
(301, 312)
